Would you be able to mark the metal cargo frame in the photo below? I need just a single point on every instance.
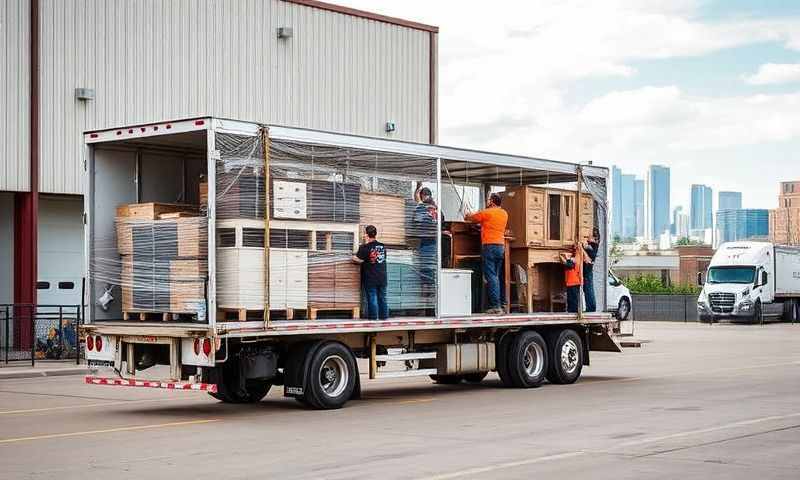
(503, 166)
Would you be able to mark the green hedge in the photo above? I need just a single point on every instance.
(651, 284)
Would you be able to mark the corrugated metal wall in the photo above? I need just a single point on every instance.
(15, 94)
(150, 60)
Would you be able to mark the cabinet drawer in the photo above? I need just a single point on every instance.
(292, 212)
(535, 234)
(535, 217)
(288, 189)
(535, 200)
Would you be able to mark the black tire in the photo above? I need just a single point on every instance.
(331, 376)
(447, 379)
(501, 358)
(790, 311)
(227, 380)
(706, 319)
(758, 313)
(527, 360)
(475, 377)
(623, 309)
(565, 355)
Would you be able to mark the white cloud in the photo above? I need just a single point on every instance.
(510, 74)
(775, 74)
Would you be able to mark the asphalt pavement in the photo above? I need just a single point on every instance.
(698, 401)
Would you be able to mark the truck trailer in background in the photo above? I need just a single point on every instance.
(751, 281)
(221, 249)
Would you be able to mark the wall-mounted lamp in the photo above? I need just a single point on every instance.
(285, 32)
(84, 94)
(390, 127)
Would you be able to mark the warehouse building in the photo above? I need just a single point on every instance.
(67, 66)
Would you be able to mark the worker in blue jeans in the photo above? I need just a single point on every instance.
(372, 257)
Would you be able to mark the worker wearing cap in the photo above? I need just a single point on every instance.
(493, 220)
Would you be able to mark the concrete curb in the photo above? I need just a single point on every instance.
(61, 372)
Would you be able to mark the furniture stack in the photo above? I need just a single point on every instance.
(163, 249)
(543, 221)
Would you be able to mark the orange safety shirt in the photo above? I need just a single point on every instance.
(493, 222)
(574, 276)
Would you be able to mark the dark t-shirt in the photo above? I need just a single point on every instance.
(591, 251)
(373, 270)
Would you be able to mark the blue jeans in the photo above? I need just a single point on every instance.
(377, 308)
(588, 291)
(573, 298)
(427, 260)
(492, 264)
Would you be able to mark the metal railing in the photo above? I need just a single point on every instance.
(670, 308)
(37, 332)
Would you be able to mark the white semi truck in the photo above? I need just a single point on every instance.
(238, 355)
(751, 281)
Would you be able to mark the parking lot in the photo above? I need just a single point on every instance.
(697, 401)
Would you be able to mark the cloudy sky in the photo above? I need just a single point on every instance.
(709, 88)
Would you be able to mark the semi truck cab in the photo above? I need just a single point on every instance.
(739, 283)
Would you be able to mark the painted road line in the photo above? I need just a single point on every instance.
(88, 405)
(727, 426)
(131, 428)
(501, 466)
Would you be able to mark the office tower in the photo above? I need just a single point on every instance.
(628, 206)
(616, 202)
(701, 212)
(657, 201)
(638, 189)
(742, 224)
(729, 201)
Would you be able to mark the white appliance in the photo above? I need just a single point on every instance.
(456, 292)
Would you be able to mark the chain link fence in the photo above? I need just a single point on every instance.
(39, 332)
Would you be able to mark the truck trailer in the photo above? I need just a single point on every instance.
(223, 250)
(751, 281)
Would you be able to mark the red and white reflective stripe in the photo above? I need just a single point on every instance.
(131, 382)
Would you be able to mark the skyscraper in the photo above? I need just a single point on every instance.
(628, 206)
(673, 229)
(616, 202)
(742, 224)
(638, 196)
(657, 201)
(701, 213)
(729, 201)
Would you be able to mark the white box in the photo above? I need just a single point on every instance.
(456, 292)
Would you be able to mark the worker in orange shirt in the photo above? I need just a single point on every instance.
(573, 276)
(493, 220)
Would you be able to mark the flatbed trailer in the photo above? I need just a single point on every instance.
(314, 360)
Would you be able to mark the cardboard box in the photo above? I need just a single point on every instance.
(151, 211)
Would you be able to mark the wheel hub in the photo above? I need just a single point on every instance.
(532, 361)
(333, 375)
(569, 356)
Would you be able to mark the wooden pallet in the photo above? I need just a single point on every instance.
(146, 316)
(313, 311)
(243, 314)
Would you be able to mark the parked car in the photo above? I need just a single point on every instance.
(618, 297)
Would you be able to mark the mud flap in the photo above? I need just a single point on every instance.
(603, 341)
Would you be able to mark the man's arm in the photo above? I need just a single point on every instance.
(356, 259)
(476, 217)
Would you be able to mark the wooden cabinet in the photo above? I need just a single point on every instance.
(545, 217)
(544, 279)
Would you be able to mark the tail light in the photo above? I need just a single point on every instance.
(197, 346)
(206, 346)
(89, 342)
(98, 342)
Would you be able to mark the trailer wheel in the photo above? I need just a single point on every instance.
(332, 376)
(790, 310)
(475, 377)
(527, 360)
(447, 379)
(501, 359)
(228, 390)
(566, 356)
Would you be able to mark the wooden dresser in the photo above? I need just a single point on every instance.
(545, 217)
